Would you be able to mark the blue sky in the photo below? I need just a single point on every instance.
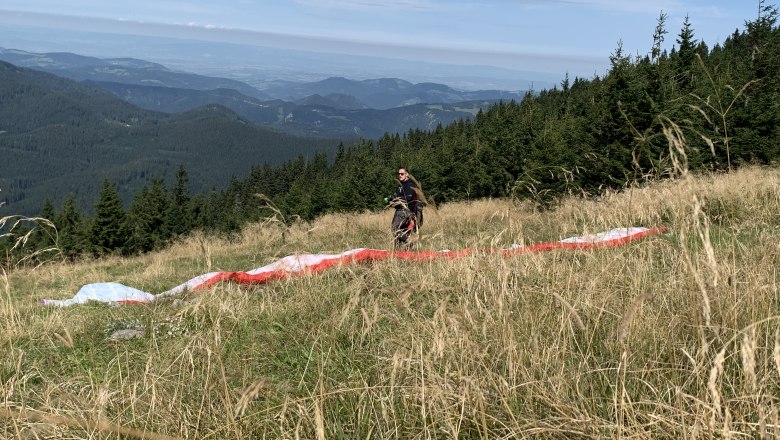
(575, 36)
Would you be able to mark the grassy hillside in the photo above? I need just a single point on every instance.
(674, 336)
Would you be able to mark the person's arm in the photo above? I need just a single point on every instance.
(411, 197)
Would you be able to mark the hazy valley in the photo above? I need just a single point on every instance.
(215, 127)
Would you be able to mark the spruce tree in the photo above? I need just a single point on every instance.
(658, 38)
(109, 232)
(33, 237)
(70, 225)
(179, 210)
(316, 182)
(758, 129)
(45, 232)
(610, 164)
(147, 218)
(686, 56)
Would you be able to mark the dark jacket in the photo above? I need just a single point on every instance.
(406, 191)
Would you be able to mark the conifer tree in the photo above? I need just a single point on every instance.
(70, 225)
(147, 218)
(314, 182)
(609, 159)
(658, 38)
(109, 232)
(225, 206)
(37, 235)
(758, 127)
(298, 202)
(686, 56)
(179, 211)
(202, 215)
(44, 235)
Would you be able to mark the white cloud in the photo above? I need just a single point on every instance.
(620, 6)
(369, 4)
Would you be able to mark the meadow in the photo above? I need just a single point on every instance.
(672, 336)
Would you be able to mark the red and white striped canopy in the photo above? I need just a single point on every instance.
(300, 264)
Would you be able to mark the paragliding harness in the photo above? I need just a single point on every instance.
(406, 223)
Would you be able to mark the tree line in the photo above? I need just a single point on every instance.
(652, 116)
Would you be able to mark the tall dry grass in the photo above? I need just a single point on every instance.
(671, 337)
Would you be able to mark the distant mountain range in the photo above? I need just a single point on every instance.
(333, 116)
(386, 93)
(123, 70)
(334, 107)
(263, 65)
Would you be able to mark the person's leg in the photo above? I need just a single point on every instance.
(411, 233)
(397, 226)
(398, 219)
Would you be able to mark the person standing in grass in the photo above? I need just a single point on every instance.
(408, 201)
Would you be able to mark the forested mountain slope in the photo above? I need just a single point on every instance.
(59, 136)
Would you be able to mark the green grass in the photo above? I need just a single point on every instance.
(610, 343)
